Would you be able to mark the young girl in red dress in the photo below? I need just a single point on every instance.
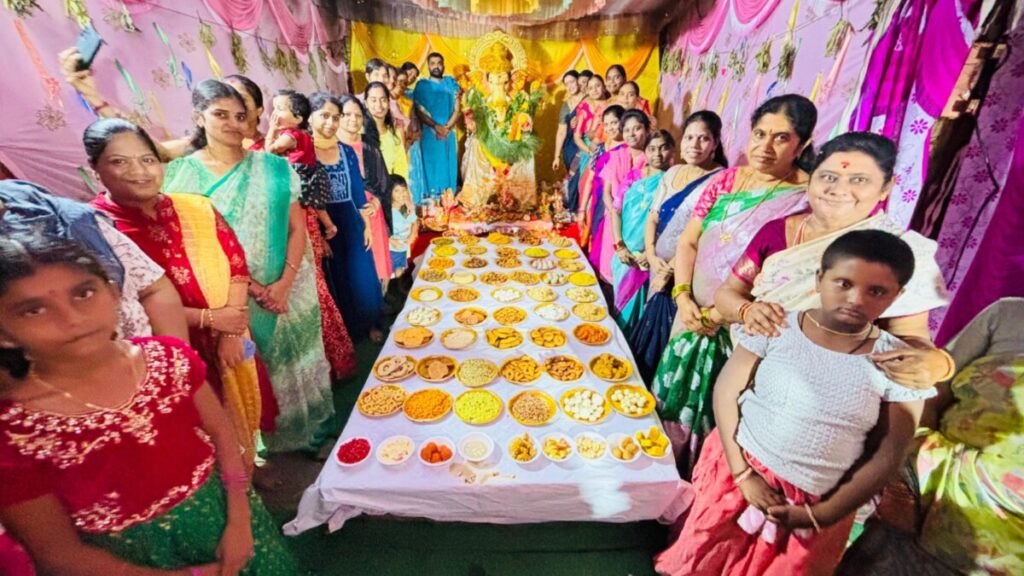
(115, 455)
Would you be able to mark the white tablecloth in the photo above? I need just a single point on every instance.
(578, 490)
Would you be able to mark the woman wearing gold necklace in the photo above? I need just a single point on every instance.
(350, 267)
(731, 207)
(775, 275)
(257, 193)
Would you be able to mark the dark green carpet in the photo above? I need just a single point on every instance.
(389, 546)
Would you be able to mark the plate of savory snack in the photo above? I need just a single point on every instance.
(521, 370)
(446, 251)
(442, 241)
(564, 368)
(506, 252)
(504, 338)
(590, 312)
(509, 315)
(468, 240)
(474, 250)
(524, 277)
(433, 275)
(532, 408)
(478, 407)
(571, 265)
(566, 254)
(547, 337)
(463, 294)
(440, 263)
(476, 372)
(592, 334)
(458, 338)
(523, 448)
(394, 368)
(581, 295)
(494, 278)
(412, 338)
(474, 262)
(436, 369)
(380, 401)
(611, 368)
(582, 279)
(536, 252)
(560, 241)
(427, 405)
(471, 316)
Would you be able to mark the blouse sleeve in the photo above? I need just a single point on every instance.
(181, 353)
(23, 479)
(763, 244)
(233, 250)
(890, 390)
(721, 184)
(757, 344)
(138, 266)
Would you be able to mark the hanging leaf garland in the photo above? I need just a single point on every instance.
(311, 68)
(737, 64)
(712, 67)
(294, 68)
(876, 15)
(786, 60)
(206, 35)
(21, 8)
(238, 53)
(121, 19)
(763, 58)
(280, 60)
(76, 10)
(836, 37)
(265, 58)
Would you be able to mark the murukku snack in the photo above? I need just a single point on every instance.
(383, 400)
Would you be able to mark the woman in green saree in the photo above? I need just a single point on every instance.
(732, 206)
(257, 195)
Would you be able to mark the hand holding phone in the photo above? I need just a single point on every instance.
(88, 45)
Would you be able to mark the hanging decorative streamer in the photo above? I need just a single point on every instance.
(814, 91)
(788, 56)
(837, 37)
(50, 84)
(206, 34)
(711, 71)
(214, 66)
(238, 53)
(139, 97)
(188, 76)
(833, 75)
(294, 68)
(700, 82)
(87, 179)
(21, 8)
(265, 58)
(172, 60)
(76, 10)
(725, 96)
(160, 115)
(280, 59)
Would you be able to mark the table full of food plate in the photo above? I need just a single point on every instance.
(504, 394)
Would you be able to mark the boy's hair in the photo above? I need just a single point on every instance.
(872, 246)
(299, 105)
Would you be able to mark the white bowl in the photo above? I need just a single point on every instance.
(386, 442)
(349, 465)
(536, 444)
(557, 436)
(613, 442)
(476, 436)
(593, 436)
(436, 440)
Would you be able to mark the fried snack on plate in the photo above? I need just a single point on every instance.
(564, 368)
(436, 368)
(427, 405)
(547, 337)
(532, 408)
(458, 338)
(504, 338)
(592, 334)
(383, 400)
(412, 338)
(463, 294)
(471, 316)
(509, 315)
(521, 370)
(476, 372)
(394, 368)
(611, 368)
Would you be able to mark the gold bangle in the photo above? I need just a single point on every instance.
(679, 289)
(743, 309)
(814, 521)
(209, 319)
(738, 479)
(202, 318)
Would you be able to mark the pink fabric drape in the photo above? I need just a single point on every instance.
(980, 243)
(749, 14)
(703, 33)
(238, 14)
(297, 29)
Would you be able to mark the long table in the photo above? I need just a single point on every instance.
(504, 491)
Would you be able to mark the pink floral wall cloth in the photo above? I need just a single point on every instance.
(729, 38)
(40, 137)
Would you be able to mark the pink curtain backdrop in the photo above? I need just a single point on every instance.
(40, 138)
(743, 26)
(910, 75)
(987, 237)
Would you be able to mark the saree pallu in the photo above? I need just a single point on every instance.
(630, 282)
(788, 277)
(971, 472)
(691, 362)
(203, 259)
(620, 169)
(188, 535)
(341, 355)
(713, 542)
(570, 152)
(255, 198)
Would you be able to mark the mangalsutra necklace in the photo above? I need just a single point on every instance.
(867, 329)
(725, 236)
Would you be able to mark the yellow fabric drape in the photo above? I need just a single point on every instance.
(240, 385)
(547, 60)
